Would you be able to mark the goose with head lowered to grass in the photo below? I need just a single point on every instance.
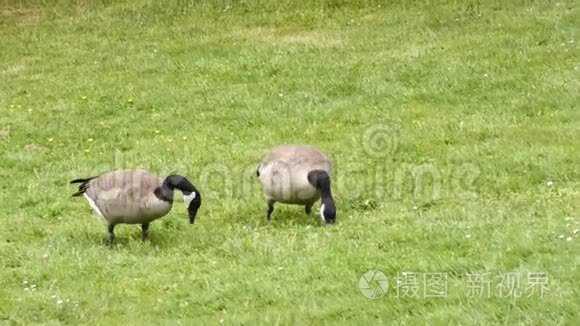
(135, 196)
(298, 175)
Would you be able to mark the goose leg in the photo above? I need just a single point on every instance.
(270, 208)
(111, 229)
(145, 229)
(308, 209)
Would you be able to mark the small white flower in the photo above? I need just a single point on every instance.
(414, 207)
(575, 231)
(569, 239)
(568, 218)
(59, 302)
(550, 183)
(468, 236)
(561, 236)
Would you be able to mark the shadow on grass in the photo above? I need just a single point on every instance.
(283, 216)
(286, 216)
(126, 236)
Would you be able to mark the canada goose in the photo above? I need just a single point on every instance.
(135, 197)
(299, 175)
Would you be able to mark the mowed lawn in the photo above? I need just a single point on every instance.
(454, 128)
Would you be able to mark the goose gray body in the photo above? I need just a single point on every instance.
(284, 173)
(288, 175)
(135, 197)
(127, 196)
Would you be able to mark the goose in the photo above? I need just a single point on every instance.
(297, 175)
(135, 196)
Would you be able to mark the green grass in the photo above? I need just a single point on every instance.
(454, 128)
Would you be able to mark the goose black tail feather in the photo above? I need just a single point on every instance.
(84, 184)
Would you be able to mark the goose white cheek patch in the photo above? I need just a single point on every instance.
(188, 198)
(322, 213)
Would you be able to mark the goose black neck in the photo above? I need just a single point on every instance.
(178, 182)
(325, 192)
(321, 180)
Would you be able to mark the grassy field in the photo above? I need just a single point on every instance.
(454, 127)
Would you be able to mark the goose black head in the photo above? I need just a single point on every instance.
(321, 180)
(328, 211)
(191, 196)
